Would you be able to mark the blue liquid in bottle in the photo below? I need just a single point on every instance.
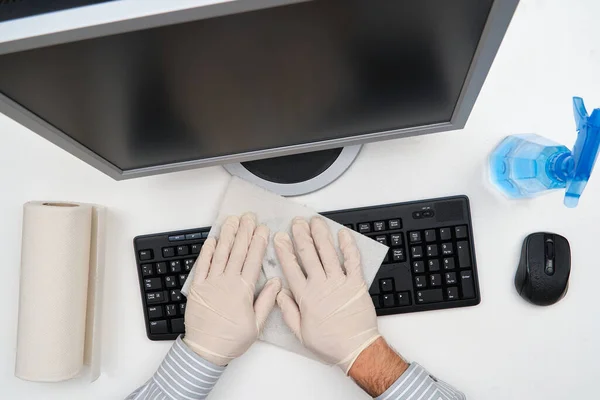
(526, 165)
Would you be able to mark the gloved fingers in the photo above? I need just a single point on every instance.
(204, 260)
(305, 247)
(289, 264)
(351, 253)
(265, 301)
(241, 244)
(224, 245)
(256, 253)
(290, 311)
(324, 244)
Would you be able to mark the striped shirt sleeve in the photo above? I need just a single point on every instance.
(183, 375)
(417, 384)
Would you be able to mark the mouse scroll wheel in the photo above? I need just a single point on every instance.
(549, 249)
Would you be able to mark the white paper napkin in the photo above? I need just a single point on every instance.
(277, 213)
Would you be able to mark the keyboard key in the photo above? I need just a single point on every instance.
(395, 223)
(204, 235)
(403, 299)
(349, 226)
(418, 267)
(447, 249)
(445, 234)
(171, 310)
(196, 248)
(420, 282)
(176, 295)
(415, 237)
(156, 297)
(386, 285)
(396, 239)
(161, 268)
(158, 327)
(152, 284)
(183, 250)
(429, 296)
(427, 214)
(182, 278)
(416, 252)
(435, 280)
(449, 263)
(147, 269)
(376, 302)
(468, 287)
(182, 308)
(432, 250)
(146, 255)
(381, 239)
(430, 235)
(155, 312)
(170, 282)
(452, 293)
(460, 232)
(379, 226)
(450, 278)
(168, 252)
(434, 265)
(176, 238)
(177, 325)
(464, 255)
(193, 236)
(188, 264)
(388, 300)
(398, 255)
(175, 266)
(364, 227)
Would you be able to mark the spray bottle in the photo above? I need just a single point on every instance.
(527, 165)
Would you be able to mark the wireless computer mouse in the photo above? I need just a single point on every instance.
(542, 277)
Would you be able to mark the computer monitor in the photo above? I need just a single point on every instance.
(239, 84)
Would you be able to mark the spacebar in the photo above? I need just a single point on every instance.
(429, 296)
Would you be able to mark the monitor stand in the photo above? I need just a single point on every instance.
(299, 173)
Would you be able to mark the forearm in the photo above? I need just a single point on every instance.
(377, 368)
(183, 375)
(380, 371)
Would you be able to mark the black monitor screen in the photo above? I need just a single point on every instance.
(257, 80)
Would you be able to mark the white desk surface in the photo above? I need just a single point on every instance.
(502, 349)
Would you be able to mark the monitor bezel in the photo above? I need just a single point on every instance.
(495, 28)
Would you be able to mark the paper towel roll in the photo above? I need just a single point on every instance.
(61, 260)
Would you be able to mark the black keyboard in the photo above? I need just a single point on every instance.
(430, 265)
(164, 261)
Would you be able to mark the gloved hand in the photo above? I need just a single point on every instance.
(331, 311)
(222, 320)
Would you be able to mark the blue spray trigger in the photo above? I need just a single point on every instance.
(584, 152)
(580, 112)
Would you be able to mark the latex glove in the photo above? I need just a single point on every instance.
(332, 314)
(222, 320)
